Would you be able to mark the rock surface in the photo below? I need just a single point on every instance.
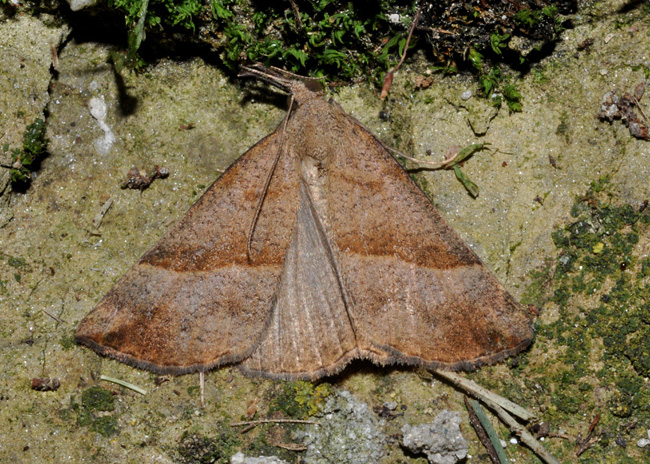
(441, 440)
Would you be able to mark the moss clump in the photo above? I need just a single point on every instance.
(345, 40)
(16, 262)
(300, 399)
(97, 399)
(84, 416)
(27, 158)
(67, 342)
(96, 403)
(199, 449)
(637, 349)
(598, 345)
(106, 426)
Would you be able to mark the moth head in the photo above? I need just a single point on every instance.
(300, 87)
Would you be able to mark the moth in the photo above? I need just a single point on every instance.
(313, 249)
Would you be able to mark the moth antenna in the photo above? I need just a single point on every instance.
(260, 202)
(314, 84)
(267, 75)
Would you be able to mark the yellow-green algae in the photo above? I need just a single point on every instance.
(591, 358)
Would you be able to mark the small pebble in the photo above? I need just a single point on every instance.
(390, 405)
(642, 443)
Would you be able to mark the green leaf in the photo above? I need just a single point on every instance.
(220, 11)
(476, 59)
(498, 41)
(489, 430)
(469, 151)
(300, 55)
(402, 44)
(470, 186)
(137, 34)
(513, 97)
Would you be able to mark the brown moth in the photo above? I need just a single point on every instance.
(313, 249)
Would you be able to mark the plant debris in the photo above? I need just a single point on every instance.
(139, 180)
(45, 384)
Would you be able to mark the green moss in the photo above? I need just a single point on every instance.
(603, 303)
(67, 342)
(563, 128)
(300, 399)
(84, 417)
(105, 426)
(341, 39)
(327, 37)
(637, 349)
(16, 262)
(540, 281)
(530, 18)
(27, 157)
(567, 401)
(199, 449)
(597, 344)
(97, 399)
(194, 390)
(65, 414)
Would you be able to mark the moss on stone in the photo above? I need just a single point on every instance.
(195, 448)
(597, 349)
(106, 426)
(97, 399)
(300, 399)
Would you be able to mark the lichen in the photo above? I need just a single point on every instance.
(348, 432)
(300, 399)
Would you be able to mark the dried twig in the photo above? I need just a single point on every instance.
(123, 383)
(56, 318)
(297, 14)
(388, 79)
(289, 446)
(273, 421)
(588, 443)
(591, 440)
(453, 156)
(638, 105)
(202, 385)
(499, 405)
(485, 395)
(523, 434)
(431, 164)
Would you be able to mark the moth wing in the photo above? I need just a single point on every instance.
(417, 290)
(310, 333)
(194, 301)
